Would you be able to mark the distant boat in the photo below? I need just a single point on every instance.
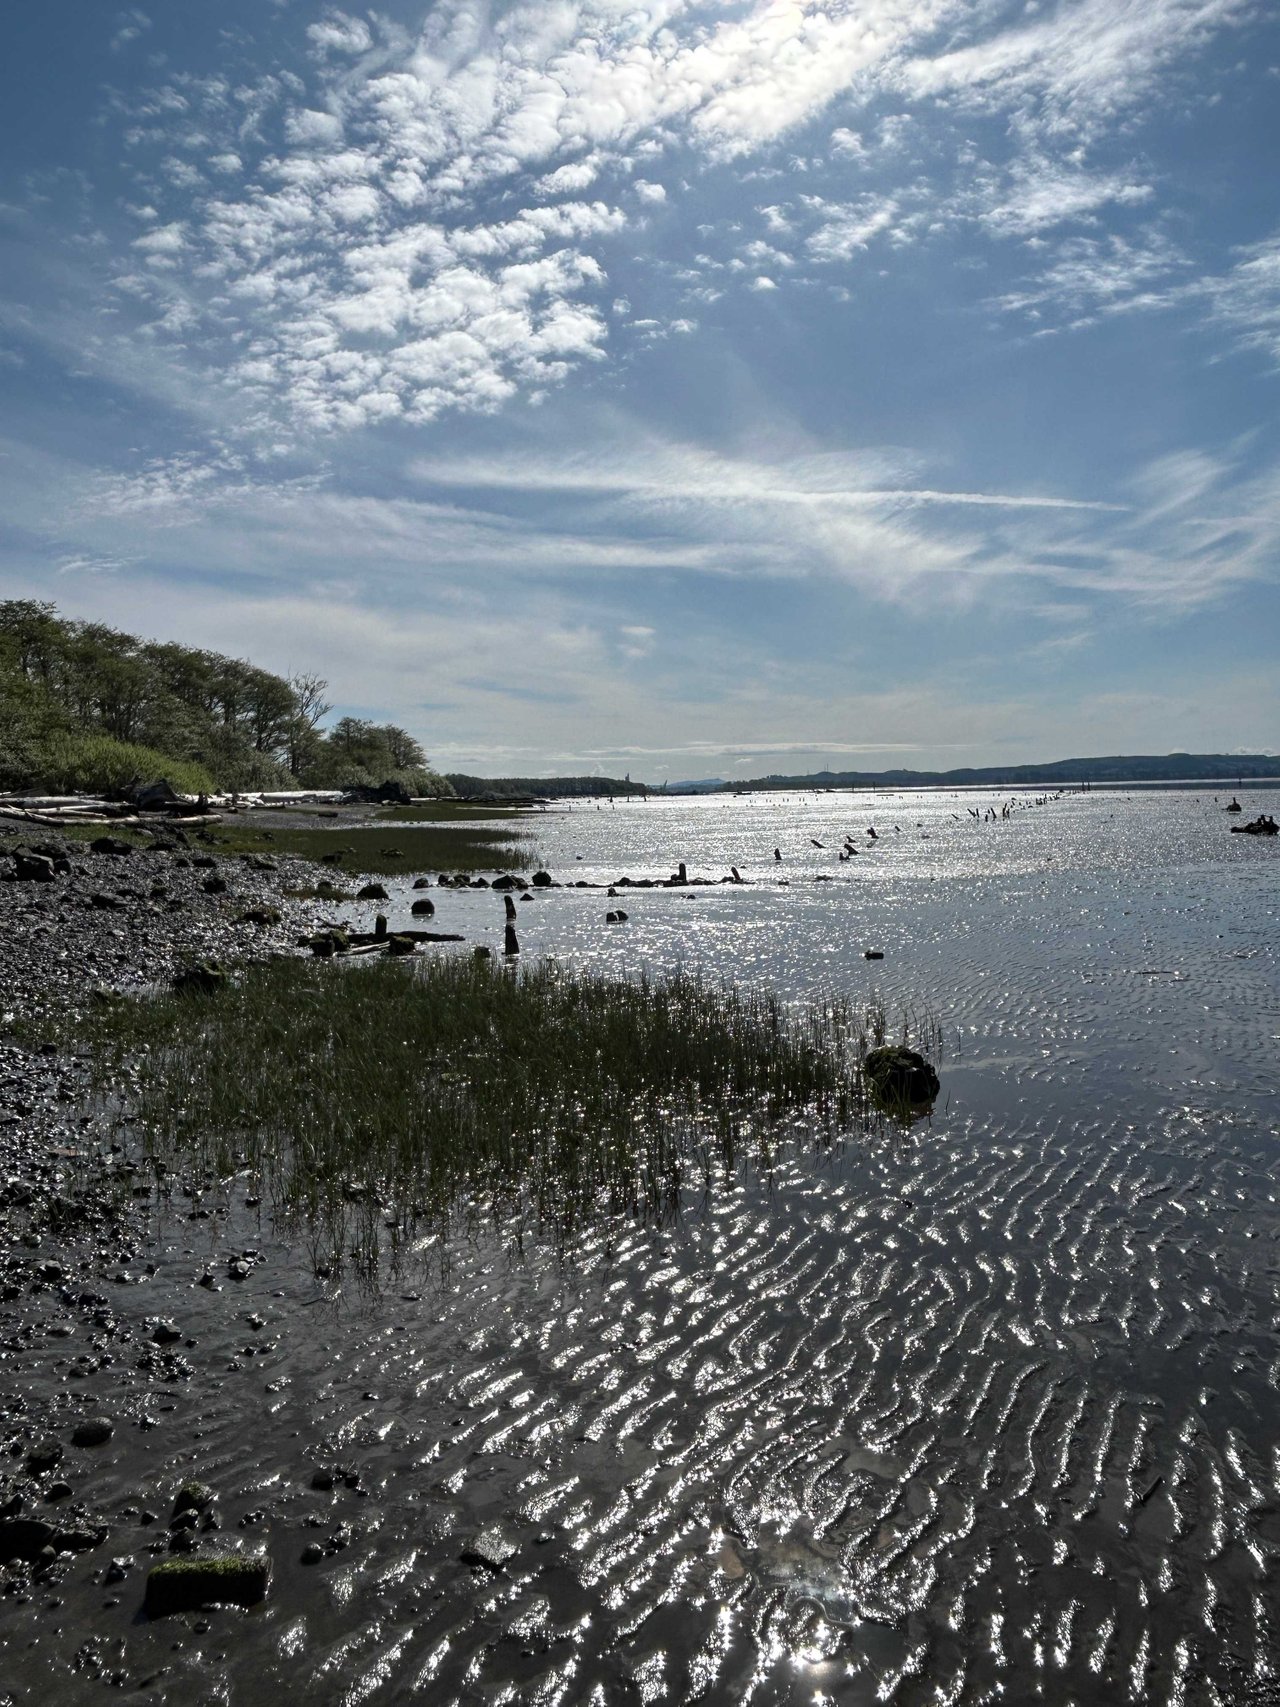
(1235, 805)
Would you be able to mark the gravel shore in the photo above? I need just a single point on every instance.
(83, 1358)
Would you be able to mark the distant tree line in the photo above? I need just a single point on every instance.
(540, 787)
(85, 706)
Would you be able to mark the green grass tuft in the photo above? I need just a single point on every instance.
(401, 1096)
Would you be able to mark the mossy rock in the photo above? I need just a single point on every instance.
(183, 1585)
(332, 941)
(260, 916)
(193, 1496)
(203, 978)
(898, 1075)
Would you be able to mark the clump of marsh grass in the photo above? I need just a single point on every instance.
(393, 1099)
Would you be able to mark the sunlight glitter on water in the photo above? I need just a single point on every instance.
(983, 1410)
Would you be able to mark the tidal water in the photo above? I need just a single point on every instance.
(983, 1411)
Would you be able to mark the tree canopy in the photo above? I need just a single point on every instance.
(65, 683)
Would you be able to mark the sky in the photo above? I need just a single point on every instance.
(664, 389)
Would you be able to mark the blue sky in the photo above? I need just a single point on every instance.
(677, 389)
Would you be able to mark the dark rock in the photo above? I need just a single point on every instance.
(263, 916)
(93, 1431)
(32, 867)
(542, 880)
(25, 1538)
(203, 862)
(157, 796)
(422, 883)
(372, 892)
(312, 1553)
(390, 793)
(509, 880)
(79, 1540)
(164, 1333)
(110, 845)
(181, 1585)
(401, 945)
(490, 1550)
(424, 909)
(899, 1075)
(873, 954)
(105, 902)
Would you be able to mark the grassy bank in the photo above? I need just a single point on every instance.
(388, 1098)
(451, 844)
(386, 850)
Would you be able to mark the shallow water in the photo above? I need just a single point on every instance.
(986, 1411)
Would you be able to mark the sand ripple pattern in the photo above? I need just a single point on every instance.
(983, 1412)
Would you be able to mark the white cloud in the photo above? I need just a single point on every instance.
(305, 127)
(371, 265)
(129, 26)
(340, 33)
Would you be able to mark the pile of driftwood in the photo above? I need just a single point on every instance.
(144, 805)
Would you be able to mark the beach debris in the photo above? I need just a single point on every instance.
(873, 954)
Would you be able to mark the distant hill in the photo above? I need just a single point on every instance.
(1061, 773)
(708, 785)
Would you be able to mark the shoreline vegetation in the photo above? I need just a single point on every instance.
(347, 845)
(378, 1102)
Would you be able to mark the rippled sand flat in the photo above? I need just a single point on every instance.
(983, 1411)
